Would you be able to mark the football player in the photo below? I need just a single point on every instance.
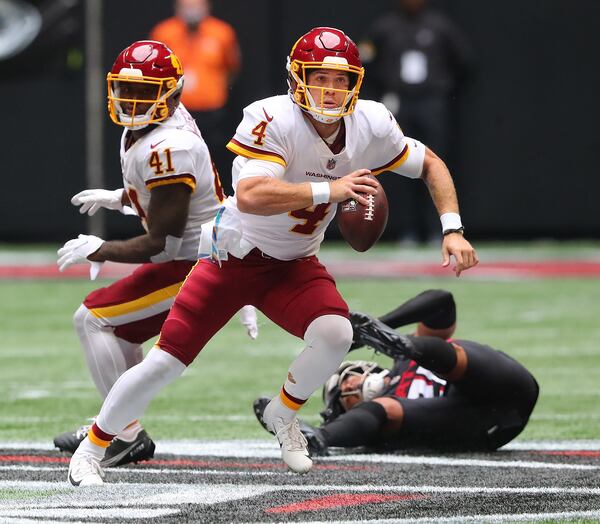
(440, 393)
(298, 155)
(170, 183)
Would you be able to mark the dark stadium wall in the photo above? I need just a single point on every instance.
(526, 153)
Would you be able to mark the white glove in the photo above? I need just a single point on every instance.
(91, 200)
(248, 319)
(76, 251)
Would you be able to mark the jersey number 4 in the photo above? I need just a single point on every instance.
(310, 216)
(157, 164)
(260, 132)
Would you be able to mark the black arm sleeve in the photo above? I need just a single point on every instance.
(435, 308)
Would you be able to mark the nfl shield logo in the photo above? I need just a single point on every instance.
(331, 163)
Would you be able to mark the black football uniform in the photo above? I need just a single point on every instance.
(486, 409)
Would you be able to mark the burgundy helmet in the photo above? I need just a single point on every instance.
(324, 48)
(144, 76)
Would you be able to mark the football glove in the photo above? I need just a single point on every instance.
(91, 200)
(76, 251)
(248, 319)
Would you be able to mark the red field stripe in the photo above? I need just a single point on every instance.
(50, 271)
(39, 459)
(353, 268)
(572, 453)
(514, 269)
(247, 465)
(341, 500)
(36, 459)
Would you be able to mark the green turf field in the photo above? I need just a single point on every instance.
(549, 325)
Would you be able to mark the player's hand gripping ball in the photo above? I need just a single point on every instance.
(361, 226)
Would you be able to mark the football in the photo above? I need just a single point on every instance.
(361, 226)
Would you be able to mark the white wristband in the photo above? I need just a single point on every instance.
(320, 192)
(450, 221)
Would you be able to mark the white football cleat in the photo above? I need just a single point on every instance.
(85, 470)
(294, 450)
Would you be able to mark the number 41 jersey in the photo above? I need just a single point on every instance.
(276, 130)
(173, 153)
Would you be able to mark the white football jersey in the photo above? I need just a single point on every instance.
(275, 129)
(173, 153)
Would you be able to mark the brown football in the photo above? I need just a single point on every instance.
(361, 226)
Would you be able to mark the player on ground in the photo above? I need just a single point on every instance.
(439, 394)
(298, 155)
(170, 183)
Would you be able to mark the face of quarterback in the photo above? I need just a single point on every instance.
(328, 87)
(351, 391)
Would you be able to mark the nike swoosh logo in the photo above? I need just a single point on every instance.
(152, 146)
(269, 118)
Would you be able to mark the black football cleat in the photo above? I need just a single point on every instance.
(118, 453)
(370, 331)
(316, 443)
(317, 446)
(70, 440)
(122, 452)
(259, 406)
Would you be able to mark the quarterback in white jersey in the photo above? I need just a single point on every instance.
(170, 183)
(276, 130)
(298, 157)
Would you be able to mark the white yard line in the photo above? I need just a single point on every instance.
(189, 493)
(261, 448)
(456, 462)
(159, 494)
(508, 517)
(146, 501)
(150, 471)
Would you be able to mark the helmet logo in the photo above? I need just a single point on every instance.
(176, 64)
(329, 40)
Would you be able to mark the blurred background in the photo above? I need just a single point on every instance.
(523, 144)
(507, 92)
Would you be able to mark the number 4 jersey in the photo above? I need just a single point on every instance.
(277, 131)
(173, 153)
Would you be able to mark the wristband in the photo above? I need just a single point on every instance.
(320, 192)
(450, 221)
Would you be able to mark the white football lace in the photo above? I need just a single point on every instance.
(87, 465)
(291, 437)
(85, 429)
(370, 210)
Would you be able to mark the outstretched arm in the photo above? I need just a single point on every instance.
(167, 216)
(441, 188)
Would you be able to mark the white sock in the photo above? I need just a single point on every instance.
(131, 432)
(88, 448)
(328, 339)
(281, 410)
(135, 388)
(107, 356)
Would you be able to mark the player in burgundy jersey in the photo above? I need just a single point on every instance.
(440, 393)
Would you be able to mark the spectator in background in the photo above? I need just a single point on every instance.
(210, 55)
(416, 58)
